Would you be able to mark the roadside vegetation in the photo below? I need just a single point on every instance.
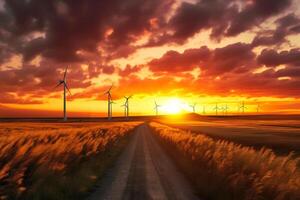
(57, 161)
(223, 170)
(279, 133)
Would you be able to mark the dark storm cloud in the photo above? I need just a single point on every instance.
(234, 65)
(172, 61)
(271, 57)
(286, 25)
(70, 26)
(191, 18)
(225, 18)
(235, 57)
(289, 72)
(68, 30)
(255, 13)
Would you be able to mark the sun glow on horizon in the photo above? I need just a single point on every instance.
(173, 106)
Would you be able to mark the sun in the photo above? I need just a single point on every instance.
(172, 106)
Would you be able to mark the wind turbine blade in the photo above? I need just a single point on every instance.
(58, 85)
(110, 88)
(68, 88)
(65, 74)
(108, 91)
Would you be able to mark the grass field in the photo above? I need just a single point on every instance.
(280, 133)
(225, 158)
(57, 160)
(222, 170)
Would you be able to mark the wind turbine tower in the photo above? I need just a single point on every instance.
(109, 99)
(110, 108)
(156, 107)
(242, 107)
(66, 88)
(125, 109)
(194, 107)
(258, 108)
(127, 105)
(225, 109)
(216, 108)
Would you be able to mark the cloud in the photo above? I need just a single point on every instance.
(8, 98)
(191, 18)
(230, 68)
(92, 35)
(172, 61)
(233, 57)
(285, 26)
(68, 27)
(254, 13)
(271, 57)
(236, 57)
(225, 18)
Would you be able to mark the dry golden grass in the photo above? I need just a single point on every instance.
(56, 161)
(224, 170)
(282, 136)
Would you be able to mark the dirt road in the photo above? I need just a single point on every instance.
(143, 171)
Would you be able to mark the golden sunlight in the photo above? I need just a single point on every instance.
(172, 106)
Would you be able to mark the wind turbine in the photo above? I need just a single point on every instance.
(110, 105)
(156, 107)
(225, 109)
(125, 109)
(194, 107)
(216, 108)
(109, 102)
(66, 88)
(203, 111)
(242, 106)
(127, 104)
(258, 106)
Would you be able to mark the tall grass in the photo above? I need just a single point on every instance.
(224, 170)
(56, 163)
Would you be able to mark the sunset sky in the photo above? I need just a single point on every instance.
(177, 52)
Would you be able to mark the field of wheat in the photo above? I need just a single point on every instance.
(280, 135)
(224, 170)
(56, 160)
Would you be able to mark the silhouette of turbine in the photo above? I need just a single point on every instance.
(125, 109)
(156, 107)
(258, 107)
(126, 104)
(203, 111)
(66, 88)
(194, 107)
(242, 107)
(225, 109)
(216, 108)
(110, 106)
(109, 113)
